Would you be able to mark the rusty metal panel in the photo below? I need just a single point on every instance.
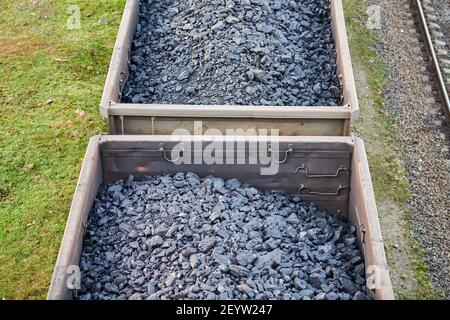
(118, 68)
(162, 119)
(364, 215)
(139, 125)
(320, 163)
(301, 168)
(69, 254)
(344, 65)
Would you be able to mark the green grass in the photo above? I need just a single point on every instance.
(42, 145)
(387, 164)
(387, 168)
(425, 289)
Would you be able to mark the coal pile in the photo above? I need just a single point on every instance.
(184, 237)
(239, 52)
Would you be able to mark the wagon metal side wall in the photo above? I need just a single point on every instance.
(158, 119)
(114, 157)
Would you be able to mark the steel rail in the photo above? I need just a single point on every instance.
(440, 84)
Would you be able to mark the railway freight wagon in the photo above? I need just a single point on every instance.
(331, 172)
(317, 162)
(158, 118)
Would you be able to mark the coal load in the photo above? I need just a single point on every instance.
(184, 237)
(238, 52)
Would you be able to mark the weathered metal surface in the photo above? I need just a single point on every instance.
(364, 215)
(167, 125)
(69, 254)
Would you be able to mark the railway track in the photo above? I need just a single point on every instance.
(436, 54)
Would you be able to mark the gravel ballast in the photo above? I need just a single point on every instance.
(184, 237)
(420, 129)
(241, 52)
(442, 10)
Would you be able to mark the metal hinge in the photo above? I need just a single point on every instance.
(286, 154)
(121, 86)
(335, 194)
(164, 155)
(310, 175)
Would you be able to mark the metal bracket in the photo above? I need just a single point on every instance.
(287, 152)
(363, 231)
(121, 86)
(122, 125)
(153, 125)
(310, 175)
(164, 155)
(335, 194)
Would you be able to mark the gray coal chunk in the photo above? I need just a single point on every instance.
(115, 188)
(222, 259)
(271, 259)
(219, 186)
(331, 296)
(307, 293)
(316, 280)
(185, 74)
(135, 296)
(170, 280)
(300, 284)
(207, 244)
(232, 184)
(245, 258)
(218, 26)
(348, 286)
(360, 296)
(238, 271)
(194, 260)
(161, 230)
(292, 219)
(155, 241)
(320, 296)
(187, 252)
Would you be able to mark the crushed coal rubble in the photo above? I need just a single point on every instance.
(240, 52)
(184, 237)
